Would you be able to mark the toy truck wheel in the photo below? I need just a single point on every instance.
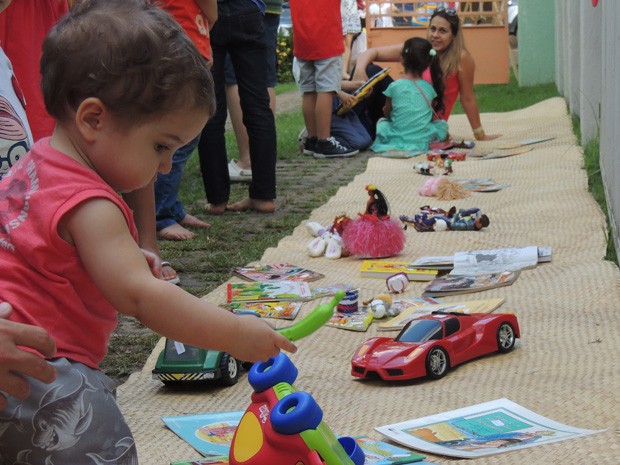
(229, 368)
(295, 413)
(505, 337)
(278, 369)
(437, 363)
(353, 450)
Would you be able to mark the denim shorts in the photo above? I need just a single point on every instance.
(320, 75)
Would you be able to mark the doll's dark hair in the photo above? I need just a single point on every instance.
(417, 55)
(130, 54)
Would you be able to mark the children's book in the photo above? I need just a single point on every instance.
(378, 452)
(525, 142)
(464, 284)
(472, 306)
(481, 184)
(479, 430)
(383, 269)
(277, 272)
(278, 310)
(264, 292)
(210, 434)
(328, 291)
(364, 90)
(221, 460)
(355, 321)
(476, 262)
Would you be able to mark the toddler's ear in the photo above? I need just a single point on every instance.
(89, 117)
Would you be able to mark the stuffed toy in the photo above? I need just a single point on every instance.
(381, 306)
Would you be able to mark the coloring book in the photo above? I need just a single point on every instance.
(272, 291)
(277, 310)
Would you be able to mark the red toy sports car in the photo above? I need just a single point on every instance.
(430, 345)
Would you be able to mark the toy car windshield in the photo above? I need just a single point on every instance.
(420, 331)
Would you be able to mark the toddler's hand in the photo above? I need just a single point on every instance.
(257, 341)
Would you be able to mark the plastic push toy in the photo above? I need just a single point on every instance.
(182, 364)
(284, 426)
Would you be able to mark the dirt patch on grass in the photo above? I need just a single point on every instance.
(203, 263)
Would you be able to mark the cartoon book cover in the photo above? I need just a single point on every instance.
(278, 310)
(377, 452)
(328, 291)
(479, 430)
(273, 291)
(210, 433)
(355, 321)
(463, 284)
(383, 269)
(265, 273)
(472, 306)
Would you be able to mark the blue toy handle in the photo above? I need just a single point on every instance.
(314, 320)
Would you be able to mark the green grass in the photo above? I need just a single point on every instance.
(508, 97)
(591, 158)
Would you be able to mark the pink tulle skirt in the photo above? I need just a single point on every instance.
(370, 237)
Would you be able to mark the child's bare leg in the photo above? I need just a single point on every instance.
(323, 114)
(308, 107)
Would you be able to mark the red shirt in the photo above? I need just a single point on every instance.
(23, 26)
(190, 17)
(317, 29)
(450, 93)
(41, 275)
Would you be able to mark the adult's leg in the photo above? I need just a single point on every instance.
(212, 145)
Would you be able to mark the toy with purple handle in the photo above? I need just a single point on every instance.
(313, 321)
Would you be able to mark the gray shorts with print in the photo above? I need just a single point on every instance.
(73, 421)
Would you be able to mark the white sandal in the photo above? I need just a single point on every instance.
(238, 174)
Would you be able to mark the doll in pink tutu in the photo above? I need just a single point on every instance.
(373, 234)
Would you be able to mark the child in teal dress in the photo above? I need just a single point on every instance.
(410, 122)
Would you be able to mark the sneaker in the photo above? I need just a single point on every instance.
(236, 173)
(331, 148)
(309, 146)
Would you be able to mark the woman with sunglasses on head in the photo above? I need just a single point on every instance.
(444, 33)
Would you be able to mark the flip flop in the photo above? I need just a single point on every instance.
(175, 280)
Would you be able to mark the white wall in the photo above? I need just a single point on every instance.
(588, 75)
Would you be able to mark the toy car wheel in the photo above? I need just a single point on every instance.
(278, 369)
(437, 363)
(505, 337)
(229, 368)
(295, 413)
(353, 450)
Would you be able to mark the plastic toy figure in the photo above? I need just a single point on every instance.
(373, 234)
(436, 219)
(284, 426)
(471, 219)
(431, 344)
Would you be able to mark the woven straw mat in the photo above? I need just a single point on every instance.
(564, 367)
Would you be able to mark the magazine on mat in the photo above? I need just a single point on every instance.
(476, 262)
(484, 429)
(464, 284)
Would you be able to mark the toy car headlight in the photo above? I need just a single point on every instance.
(414, 353)
(362, 350)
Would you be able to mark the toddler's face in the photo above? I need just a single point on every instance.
(130, 158)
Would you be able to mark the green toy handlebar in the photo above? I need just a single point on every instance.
(317, 318)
